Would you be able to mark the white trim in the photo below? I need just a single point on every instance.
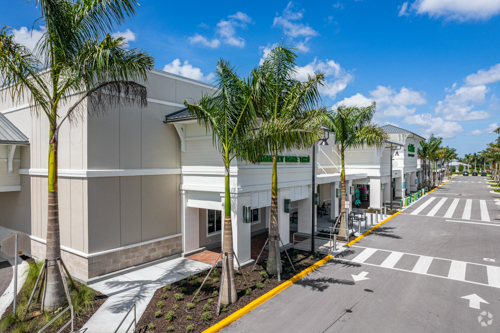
(158, 101)
(103, 173)
(91, 255)
(13, 188)
(181, 78)
(15, 109)
(10, 157)
(203, 137)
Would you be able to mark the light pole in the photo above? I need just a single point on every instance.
(322, 142)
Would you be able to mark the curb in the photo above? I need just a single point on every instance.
(273, 292)
(373, 228)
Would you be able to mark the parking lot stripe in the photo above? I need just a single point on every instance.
(422, 207)
(422, 265)
(493, 276)
(451, 210)
(457, 270)
(467, 210)
(392, 260)
(436, 208)
(361, 258)
(484, 211)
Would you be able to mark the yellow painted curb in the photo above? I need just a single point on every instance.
(255, 303)
(374, 227)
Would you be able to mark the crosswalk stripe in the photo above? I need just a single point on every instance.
(422, 207)
(451, 210)
(493, 276)
(422, 265)
(392, 260)
(361, 258)
(484, 211)
(457, 270)
(467, 210)
(436, 208)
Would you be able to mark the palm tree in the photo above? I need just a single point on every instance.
(448, 155)
(353, 128)
(289, 121)
(74, 56)
(229, 115)
(434, 152)
(423, 153)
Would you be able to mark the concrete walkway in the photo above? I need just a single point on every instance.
(7, 280)
(136, 287)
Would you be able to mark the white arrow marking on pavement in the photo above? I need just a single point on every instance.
(360, 277)
(475, 301)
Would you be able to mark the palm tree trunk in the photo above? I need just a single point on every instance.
(54, 296)
(272, 262)
(343, 196)
(228, 295)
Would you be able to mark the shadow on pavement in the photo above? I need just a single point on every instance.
(386, 232)
(321, 284)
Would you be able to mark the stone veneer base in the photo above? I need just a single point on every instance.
(85, 269)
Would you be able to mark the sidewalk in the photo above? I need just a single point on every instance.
(7, 283)
(136, 287)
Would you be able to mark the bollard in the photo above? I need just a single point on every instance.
(359, 227)
(377, 220)
(334, 242)
(366, 222)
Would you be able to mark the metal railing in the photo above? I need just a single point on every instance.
(60, 314)
(134, 322)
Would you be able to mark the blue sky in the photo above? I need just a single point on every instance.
(432, 66)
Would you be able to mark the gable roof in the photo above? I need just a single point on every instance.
(10, 134)
(391, 129)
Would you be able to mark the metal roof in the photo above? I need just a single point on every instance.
(178, 116)
(391, 129)
(10, 134)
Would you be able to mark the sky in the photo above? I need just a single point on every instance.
(432, 66)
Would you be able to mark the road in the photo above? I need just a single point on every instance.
(433, 268)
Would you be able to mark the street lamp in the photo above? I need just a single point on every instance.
(322, 142)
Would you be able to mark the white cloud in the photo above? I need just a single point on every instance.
(265, 51)
(434, 125)
(187, 70)
(128, 35)
(338, 5)
(460, 10)
(482, 76)
(458, 105)
(337, 78)
(199, 39)
(489, 129)
(390, 103)
(28, 38)
(225, 32)
(403, 10)
(288, 21)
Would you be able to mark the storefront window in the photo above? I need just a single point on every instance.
(255, 215)
(214, 221)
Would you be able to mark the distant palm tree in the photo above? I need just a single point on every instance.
(448, 155)
(353, 128)
(229, 115)
(434, 154)
(290, 120)
(75, 56)
(423, 153)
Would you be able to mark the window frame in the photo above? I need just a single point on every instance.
(216, 232)
(258, 215)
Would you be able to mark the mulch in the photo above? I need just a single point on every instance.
(155, 312)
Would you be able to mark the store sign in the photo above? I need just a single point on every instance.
(287, 159)
(411, 149)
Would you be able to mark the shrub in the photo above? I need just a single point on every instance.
(266, 281)
(247, 274)
(210, 301)
(175, 307)
(179, 296)
(158, 314)
(196, 301)
(207, 285)
(170, 315)
(215, 293)
(190, 306)
(189, 328)
(160, 304)
(151, 326)
(189, 317)
(167, 287)
(182, 283)
(195, 282)
(182, 290)
(216, 280)
(252, 280)
(206, 316)
(263, 274)
(248, 291)
(170, 328)
(195, 293)
(259, 285)
(216, 272)
(206, 307)
(311, 257)
(191, 277)
(244, 283)
(223, 309)
(164, 296)
(287, 269)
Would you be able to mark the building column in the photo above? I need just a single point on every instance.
(334, 200)
(190, 225)
(403, 185)
(242, 232)
(283, 218)
(375, 193)
(349, 196)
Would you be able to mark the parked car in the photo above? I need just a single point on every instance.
(474, 173)
(466, 173)
(483, 174)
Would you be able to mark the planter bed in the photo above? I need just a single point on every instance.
(35, 320)
(167, 300)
